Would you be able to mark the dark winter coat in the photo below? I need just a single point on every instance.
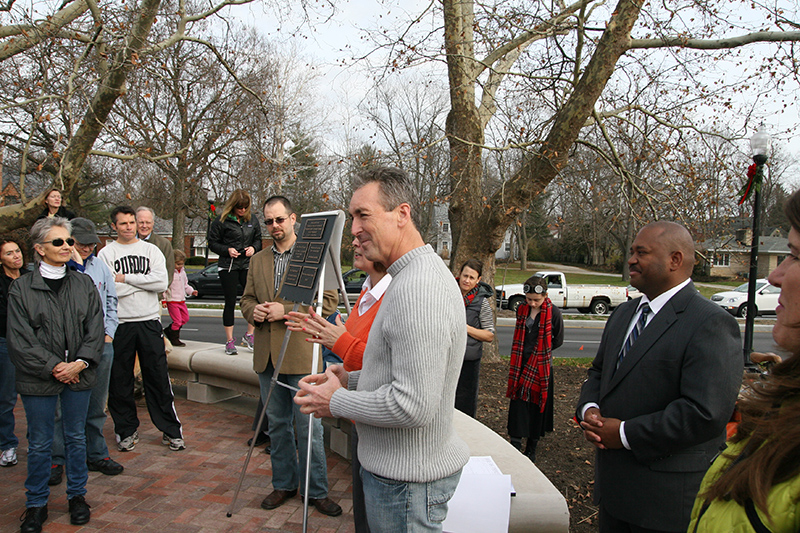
(230, 233)
(62, 212)
(46, 328)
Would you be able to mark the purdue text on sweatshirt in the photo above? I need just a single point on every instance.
(145, 273)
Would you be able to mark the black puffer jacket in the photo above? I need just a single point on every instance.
(46, 328)
(230, 233)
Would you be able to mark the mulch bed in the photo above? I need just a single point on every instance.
(564, 456)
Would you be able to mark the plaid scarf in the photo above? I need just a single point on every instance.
(470, 296)
(530, 383)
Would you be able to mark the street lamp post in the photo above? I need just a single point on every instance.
(209, 215)
(759, 145)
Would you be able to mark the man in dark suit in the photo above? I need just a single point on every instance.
(660, 390)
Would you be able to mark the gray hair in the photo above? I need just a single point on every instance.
(145, 208)
(42, 227)
(395, 188)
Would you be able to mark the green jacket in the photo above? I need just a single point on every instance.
(729, 517)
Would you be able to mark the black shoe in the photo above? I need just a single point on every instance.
(107, 466)
(267, 449)
(33, 519)
(138, 389)
(56, 473)
(79, 512)
(261, 439)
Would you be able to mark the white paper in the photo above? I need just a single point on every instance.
(482, 501)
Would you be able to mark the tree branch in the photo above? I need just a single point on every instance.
(716, 44)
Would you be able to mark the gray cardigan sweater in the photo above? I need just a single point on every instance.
(402, 399)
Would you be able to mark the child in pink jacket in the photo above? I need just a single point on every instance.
(175, 296)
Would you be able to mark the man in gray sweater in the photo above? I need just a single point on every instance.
(402, 399)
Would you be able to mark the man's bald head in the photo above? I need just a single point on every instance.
(676, 238)
(662, 257)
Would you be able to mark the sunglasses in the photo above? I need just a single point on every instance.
(60, 242)
(240, 206)
(276, 220)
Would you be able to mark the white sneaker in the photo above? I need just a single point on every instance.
(9, 457)
(128, 443)
(175, 445)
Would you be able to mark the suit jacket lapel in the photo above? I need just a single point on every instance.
(657, 327)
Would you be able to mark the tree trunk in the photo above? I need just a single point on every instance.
(478, 224)
(109, 88)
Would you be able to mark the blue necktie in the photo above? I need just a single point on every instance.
(635, 332)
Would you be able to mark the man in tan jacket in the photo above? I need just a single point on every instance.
(263, 308)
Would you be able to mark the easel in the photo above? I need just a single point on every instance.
(315, 264)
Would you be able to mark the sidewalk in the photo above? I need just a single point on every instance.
(187, 491)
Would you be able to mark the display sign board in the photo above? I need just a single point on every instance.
(318, 233)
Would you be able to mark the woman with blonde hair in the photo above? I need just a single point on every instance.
(754, 484)
(235, 237)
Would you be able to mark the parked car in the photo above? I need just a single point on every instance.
(206, 282)
(735, 301)
(597, 299)
(632, 292)
(353, 281)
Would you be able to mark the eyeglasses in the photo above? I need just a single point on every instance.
(60, 242)
(276, 220)
(240, 206)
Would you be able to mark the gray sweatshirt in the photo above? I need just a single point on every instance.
(145, 273)
(402, 399)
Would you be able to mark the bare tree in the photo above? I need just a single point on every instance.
(563, 56)
(72, 64)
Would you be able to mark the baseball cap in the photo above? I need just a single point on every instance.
(83, 231)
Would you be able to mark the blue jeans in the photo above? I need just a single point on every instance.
(287, 472)
(96, 448)
(397, 506)
(41, 414)
(8, 399)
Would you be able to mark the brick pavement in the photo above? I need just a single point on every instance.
(187, 491)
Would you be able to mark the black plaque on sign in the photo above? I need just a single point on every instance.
(292, 275)
(315, 252)
(307, 278)
(314, 229)
(299, 252)
(301, 280)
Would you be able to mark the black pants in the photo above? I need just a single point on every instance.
(467, 388)
(230, 281)
(144, 338)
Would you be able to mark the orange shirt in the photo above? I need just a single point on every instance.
(350, 346)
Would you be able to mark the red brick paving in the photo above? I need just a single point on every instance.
(187, 491)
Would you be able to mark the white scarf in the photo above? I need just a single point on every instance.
(52, 272)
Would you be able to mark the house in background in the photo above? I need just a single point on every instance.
(729, 256)
(442, 239)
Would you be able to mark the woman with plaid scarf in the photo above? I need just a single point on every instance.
(539, 331)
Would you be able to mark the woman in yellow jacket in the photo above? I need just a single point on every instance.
(754, 484)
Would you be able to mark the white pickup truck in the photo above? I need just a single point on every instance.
(597, 299)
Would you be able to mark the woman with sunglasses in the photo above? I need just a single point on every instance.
(539, 331)
(235, 237)
(55, 341)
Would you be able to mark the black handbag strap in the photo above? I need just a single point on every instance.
(755, 520)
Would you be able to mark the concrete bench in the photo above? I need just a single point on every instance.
(212, 376)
